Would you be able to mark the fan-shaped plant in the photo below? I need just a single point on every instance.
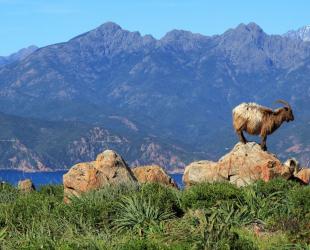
(138, 213)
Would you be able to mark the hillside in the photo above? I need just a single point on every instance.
(30, 144)
(19, 55)
(181, 87)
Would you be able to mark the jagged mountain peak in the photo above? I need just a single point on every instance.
(183, 40)
(110, 38)
(302, 33)
(244, 37)
(250, 29)
(110, 26)
(180, 34)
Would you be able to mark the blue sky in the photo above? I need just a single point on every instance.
(43, 22)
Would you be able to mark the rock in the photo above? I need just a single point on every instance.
(153, 173)
(108, 169)
(26, 186)
(201, 171)
(243, 165)
(304, 175)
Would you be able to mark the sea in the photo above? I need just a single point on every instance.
(46, 178)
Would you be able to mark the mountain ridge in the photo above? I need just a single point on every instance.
(19, 55)
(37, 145)
(180, 87)
(302, 33)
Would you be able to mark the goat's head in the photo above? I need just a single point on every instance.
(287, 111)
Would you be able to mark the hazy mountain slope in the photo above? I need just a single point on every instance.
(31, 144)
(19, 55)
(181, 87)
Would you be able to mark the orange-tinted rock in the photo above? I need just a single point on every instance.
(304, 175)
(108, 169)
(26, 186)
(202, 171)
(243, 165)
(151, 174)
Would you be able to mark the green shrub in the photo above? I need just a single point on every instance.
(263, 188)
(296, 222)
(299, 199)
(98, 208)
(53, 190)
(263, 206)
(140, 244)
(268, 241)
(213, 216)
(238, 214)
(8, 193)
(206, 195)
(206, 230)
(138, 213)
(163, 197)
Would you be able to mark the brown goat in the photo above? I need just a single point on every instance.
(259, 120)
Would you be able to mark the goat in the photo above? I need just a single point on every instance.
(258, 120)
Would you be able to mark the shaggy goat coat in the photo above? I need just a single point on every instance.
(249, 117)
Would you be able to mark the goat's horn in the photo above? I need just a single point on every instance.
(284, 102)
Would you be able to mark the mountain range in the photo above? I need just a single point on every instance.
(302, 33)
(18, 56)
(176, 93)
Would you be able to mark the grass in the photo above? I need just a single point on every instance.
(152, 216)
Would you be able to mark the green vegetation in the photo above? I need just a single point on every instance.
(274, 215)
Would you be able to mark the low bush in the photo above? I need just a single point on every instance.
(152, 216)
(299, 198)
(52, 190)
(281, 185)
(165, 198)
(297, 221)
(206, 195)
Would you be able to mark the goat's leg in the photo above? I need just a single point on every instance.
(263, 142)
(241, 136)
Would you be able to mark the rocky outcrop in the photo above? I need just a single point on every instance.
(108, 169)
(153, 173)
(303, 175)
(26, 186)
(243, 165)
(201, 171)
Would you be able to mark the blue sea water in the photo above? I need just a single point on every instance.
(45, 178)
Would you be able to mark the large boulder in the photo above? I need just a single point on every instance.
(243, 165)
(152, 174)
(108, 169)
(25, 186)
(201, 171)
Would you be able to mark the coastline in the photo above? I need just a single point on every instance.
(178, 171)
